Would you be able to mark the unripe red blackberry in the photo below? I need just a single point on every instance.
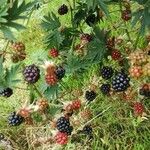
(61, 138)
(63, 9)
(110, 43)
(54, 52)
(31, 74)
(115, 54)
(136, 71)
(25, 113)
(138, 108)
(51, 79)
(126, 15)
(86, 114)
(76, 104)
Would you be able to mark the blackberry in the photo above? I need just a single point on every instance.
(60, 72)
(91, 19)
(63, 9)
(90, 95)
(7, 92)
(15, 119)
(69, 131)
(106, 72)
(120, 82)
(31, 73)
(105, 88)
(63, 124)
(1, 136)
(144, 92)
(87, 130)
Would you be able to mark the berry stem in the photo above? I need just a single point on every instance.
(38, 92)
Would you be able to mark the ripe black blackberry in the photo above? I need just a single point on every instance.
(63, 124)
(15, 119)
(31, 73)
(91, 19)
(90, 95)
(7, 92)
(105, 88)
(144, 92)
(106, 72)
(63, 9)
(60, 72)
(87, 130)
(69, 131)
(120, 82)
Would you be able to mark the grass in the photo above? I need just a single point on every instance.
(114, 129)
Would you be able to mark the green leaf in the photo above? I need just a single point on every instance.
(50, 22)
(11, 75)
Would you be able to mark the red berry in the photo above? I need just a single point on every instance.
(61, 138)
(76, 104)
(115, 54)
(51, 79)
(54, 53)
(126, 15)
(138, 108)
(136, 71)
(86, 38)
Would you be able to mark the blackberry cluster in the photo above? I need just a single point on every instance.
(63, 125)
(60, 72)
(120, 82)
(90, 95)
(31, 74)
(7, 92)
(87, 130)
(91, 19)
(63, 9)
(105, 88)
(15, 119)
(106, 72)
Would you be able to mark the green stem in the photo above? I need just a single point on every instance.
(38, 92)
(137, 40)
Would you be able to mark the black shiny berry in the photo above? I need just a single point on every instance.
(90, 95)
(106, 72)
(144, 92)
(105, 88)
(7, 92)
(15, 119)
(31, 74)
(120, 82)
(91, 19)
(69, 131)
(60, 72)
(63, 124)
(63, 9)
(87, 130)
